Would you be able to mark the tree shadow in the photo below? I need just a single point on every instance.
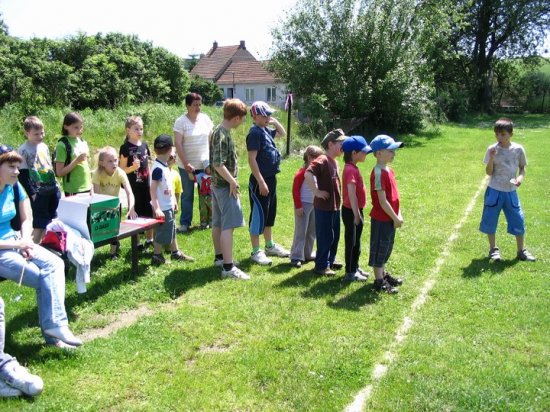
(478, 267)
(180, 280)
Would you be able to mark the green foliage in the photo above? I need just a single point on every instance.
(101, 71)
(364, 57)
(209, 90)
(536, 88)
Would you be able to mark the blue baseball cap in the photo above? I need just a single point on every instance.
(356, 143)
(261, 108)
(383, 141)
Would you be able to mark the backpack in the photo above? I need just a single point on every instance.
(16, 221)
(68, 150)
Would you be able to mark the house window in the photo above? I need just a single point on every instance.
(249, 95)
(271, 94)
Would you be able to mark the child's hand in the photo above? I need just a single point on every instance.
(264, 190)
(358, 220)
(159, 214)
(234, 189)
(493, 152)
(323, 194)
(136, 163)
(132, 214)
(397, 223)
(25, 247)
(81, 158)
(299, 212)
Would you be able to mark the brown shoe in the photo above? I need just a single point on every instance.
(325, 272)
(180, 256)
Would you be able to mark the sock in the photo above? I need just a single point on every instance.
(269, 244)
(255, 250)
(218, 256)
(227, 266)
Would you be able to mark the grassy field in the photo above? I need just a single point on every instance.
(290, 340)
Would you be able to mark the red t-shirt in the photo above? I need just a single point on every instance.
(383, 179)
(353, 175)
(325, 169)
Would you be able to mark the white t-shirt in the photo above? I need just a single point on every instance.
(505, 166)
(195, 139)
(161, 173)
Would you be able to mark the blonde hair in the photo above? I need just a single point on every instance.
(132, 120)
(311, 151)
(102, 154)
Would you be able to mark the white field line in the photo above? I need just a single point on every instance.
(381, 368)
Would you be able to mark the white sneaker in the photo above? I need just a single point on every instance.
(260, 258)
(20, 378)
(6, 391)
(235, 273)
(219, 262)
(277, 250)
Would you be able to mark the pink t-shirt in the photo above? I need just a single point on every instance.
(383, 179)
(353, 175)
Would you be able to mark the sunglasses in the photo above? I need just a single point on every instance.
(5, 149)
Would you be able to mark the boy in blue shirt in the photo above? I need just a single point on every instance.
(264, 159)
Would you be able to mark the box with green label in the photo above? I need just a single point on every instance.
(96, 217)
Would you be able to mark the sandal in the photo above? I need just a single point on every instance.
(494, 254)
(525, 255)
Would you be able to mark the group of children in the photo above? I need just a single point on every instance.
(320, 200)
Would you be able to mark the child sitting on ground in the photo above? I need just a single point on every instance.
(164, 204)
(304, 216)
(107, 179)
(355, 150)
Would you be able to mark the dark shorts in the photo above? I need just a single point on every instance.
(382, 236)
(166, 232)
(44, 208)
(263, 209)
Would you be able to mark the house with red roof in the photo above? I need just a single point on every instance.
(239, 74)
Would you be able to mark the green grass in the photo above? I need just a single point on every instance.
(288, 340)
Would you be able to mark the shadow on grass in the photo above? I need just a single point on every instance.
(363, 296)
(180, 280)
(478, 267)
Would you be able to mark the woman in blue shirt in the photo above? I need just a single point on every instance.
(22, 260)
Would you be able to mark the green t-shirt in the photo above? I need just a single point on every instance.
(81, 178)
(222, 153)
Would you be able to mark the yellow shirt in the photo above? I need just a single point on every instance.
(176, 180)
(109, 185)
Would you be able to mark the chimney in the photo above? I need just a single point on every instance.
(242, 46)
(214, 45)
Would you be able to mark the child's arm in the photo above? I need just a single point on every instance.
(490, 164)
(130, 196)
(233, 184)
(352, 194)
(97, 188)
(154, 200)
(397, 219)
(123, 162)
(296, 187)
(255, 169)
(281, 132)
(323, 194)
(62, 170)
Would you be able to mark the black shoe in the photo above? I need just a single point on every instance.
(336, 266)
(391, 280)
(145, 245)
(157, 260)
(382, 285)
(114, 256)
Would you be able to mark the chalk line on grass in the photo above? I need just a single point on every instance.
(381, 368)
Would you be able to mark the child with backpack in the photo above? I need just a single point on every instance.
(71, 157)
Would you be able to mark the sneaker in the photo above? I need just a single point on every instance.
(391, 280)
(336, 265)
(157, 260)
(277, 250)
(62, 345)
(382, 285)
(325, 272)
(310, 259)
(525, 255)
(235, 273)
(20, 378)
(179, 255)
(296, 263)
(494, 254)
(182, 229)
(7, 391)
(354, 277)
(363, 272)
(63, 333)
(219, 263)
(204, 226)
(260, 258)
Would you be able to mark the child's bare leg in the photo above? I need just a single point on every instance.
(216, 234)
(226, 242)
(37, 235)
(378, 272)
(149, 234)
(520, 241)
(157, 248)
(255, 240)
(492, 240)
(174, 246)
(268, 234)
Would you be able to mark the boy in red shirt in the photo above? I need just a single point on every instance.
(385, 214)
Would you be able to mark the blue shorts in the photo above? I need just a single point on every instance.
(495, 201)
(263, 209)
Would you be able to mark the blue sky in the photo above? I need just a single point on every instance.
(182, 27)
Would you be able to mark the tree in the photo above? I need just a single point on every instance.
(209, 90)
(489, 30)
(3, 27)
(361, 58)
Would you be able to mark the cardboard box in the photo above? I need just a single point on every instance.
(96, 217)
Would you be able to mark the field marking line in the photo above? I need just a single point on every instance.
(381, 368)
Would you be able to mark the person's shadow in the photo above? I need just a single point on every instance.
(480, 266)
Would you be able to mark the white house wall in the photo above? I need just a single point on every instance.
(260, 91)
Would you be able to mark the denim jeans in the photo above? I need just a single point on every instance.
(44, 272)
(4, 357)
(187, 197)
(327, 230)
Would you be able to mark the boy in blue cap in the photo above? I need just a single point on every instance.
(385, 214)
(355, 150)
